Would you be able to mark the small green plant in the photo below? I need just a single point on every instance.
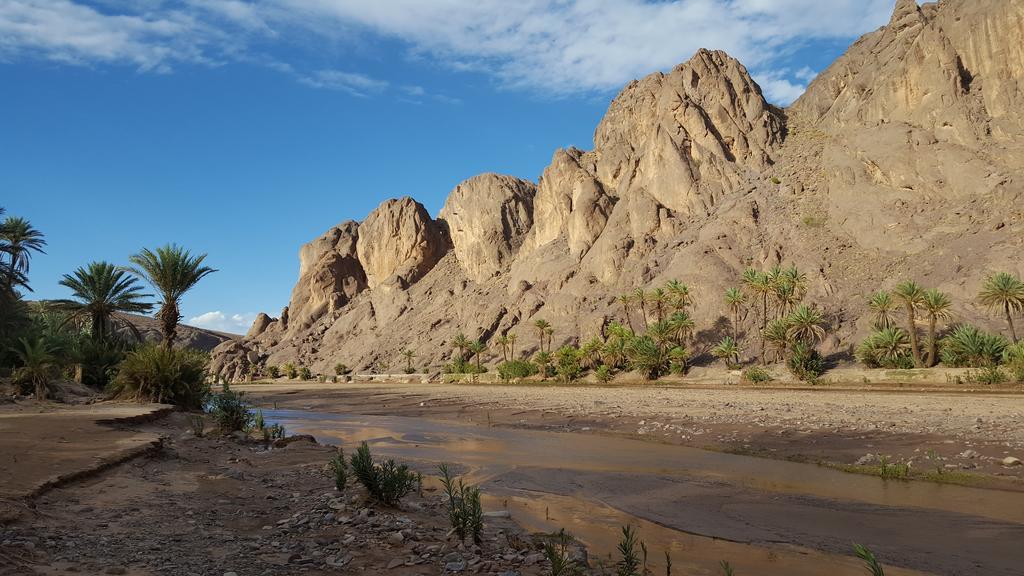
(197, 424)
(871, 563)
(893, 470)
(258, 423)
(290, 371)
(230, 411)
(776, 181)
(387, 482)
(556, 550)
(990, 376)
(305, 374)
(757, 375)
(934, 458)
(514, 369)
(465, 512)
(273, 432)
(340, 369)
(603, 374)
(727, 568)
(805, 362)
(274, 371)
(629, 564)
(339, 470)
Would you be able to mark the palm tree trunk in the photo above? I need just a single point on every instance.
(736, 324)
(933, 346)
(764, 324)
(1009, 320)
(512, 349)
(914, 348)
(168, 317)
(629, 319)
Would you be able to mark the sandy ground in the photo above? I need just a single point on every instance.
(948, 430)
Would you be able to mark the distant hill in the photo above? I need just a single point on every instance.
(188, 336)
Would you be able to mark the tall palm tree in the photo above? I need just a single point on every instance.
(658, 298)
(640, 297)
(550, 333)
(936, 305)
(409, 355)
(462, 343)
(172, 271)
(512, 346)
(776, 335)
(626, 300)
(735, 299)
(100, 291)
(1004, 291)
(882, 307)
(806, 325)
(542, 326)
(787, 296)
(18, 239)
(38, 365)
(912, 295)
(503, 342)
(476, 348)
(759, 284)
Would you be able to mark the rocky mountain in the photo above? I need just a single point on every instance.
(904, 159)
(188, 336)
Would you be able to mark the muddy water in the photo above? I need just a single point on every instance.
(765, 517)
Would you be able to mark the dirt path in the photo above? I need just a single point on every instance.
(954, 432)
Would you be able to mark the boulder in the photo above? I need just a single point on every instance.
(399, 239)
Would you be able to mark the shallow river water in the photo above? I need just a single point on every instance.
(766, 517)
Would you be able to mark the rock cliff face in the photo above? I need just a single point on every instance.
(904, 159)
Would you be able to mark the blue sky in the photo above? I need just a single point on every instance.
(246, 128)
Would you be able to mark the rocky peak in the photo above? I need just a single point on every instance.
(488, 216)
(399, 241)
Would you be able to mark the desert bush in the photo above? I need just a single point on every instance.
(305, 374)
(543, 362)
(273, 371)
(1013, 358)
(893, 470)
(567, 363)
(646, 356)
(604, 374)
(557, 553)
(886, 348)
(679, 358)
(516, 369)
(340, 369)
(273, 432)
(757, 375)
(805, 362)
(230, 411)
(465, 512)
(460, 366)
(386, 481)
(290, 371)
(156, 374)
(339, 470)
(969, 347)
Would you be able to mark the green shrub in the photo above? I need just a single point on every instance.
(514, 369)
(305, 374)
(460, 366)
(273, 371)
(339, 470)
(543, 362)
(230, 412)
(646, 356)
(465, 513)
(273, 432)
(604, 374)
(258, 422)
(556, 551)
(386, 481)
(969, 347)
(757, 375)
(679, 358)
(893, 470)
(989, 375)
(340, 369)
(629, 564)
(1013, 358)
(153, 373)
(568, 363)
(886, 348)
(805, 362)
(290, 371)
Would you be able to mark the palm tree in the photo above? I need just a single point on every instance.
(626, 300)
(888, 346)
(1004, 291)
(503, 341)
(409, 355)
(658, 297)
(805, 325)
(937, 305)
(512, 346)
(641, 298)
(18, 239)
(682, 326)
(735, 299)
(542, 359)
(542, 326)
(591, 352)
(476, 348)
(462, 343)
(101, 291)
(172, 271)
(679, 294)
(728, 351)
(646, 355)
(776, 335)
(38, 365)
(663, 334)
(882, 306)
(760, 285)
(549, 332)
(912, 295)
(787, 296)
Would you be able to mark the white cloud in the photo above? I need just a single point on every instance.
(217, 320)
(551, 47)
(780, 89)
